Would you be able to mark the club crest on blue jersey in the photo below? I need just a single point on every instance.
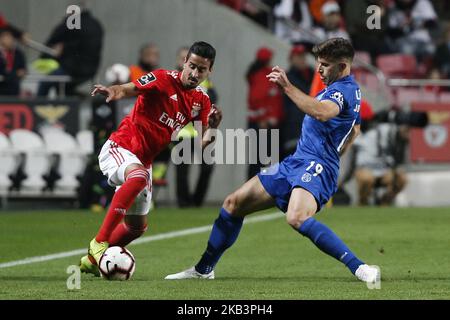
(306, 177)
(339, 97)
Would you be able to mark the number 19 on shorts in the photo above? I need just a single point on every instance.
(317, 167)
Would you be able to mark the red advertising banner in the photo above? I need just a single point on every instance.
(15, 116)
(432, 143)
(37, 114)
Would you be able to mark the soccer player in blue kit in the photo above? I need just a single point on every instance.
(304, 181)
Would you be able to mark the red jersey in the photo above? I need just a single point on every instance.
(162, 107)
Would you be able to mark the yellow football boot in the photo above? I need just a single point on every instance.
(86, 266)
(96, 249)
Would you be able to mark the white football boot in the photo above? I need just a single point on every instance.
(368, 274)
(190, 273)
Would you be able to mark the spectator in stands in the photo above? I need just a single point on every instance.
(265, 100)
(78, 52)
(409, 23)
(441, 59)
(378, 163)
(363, 38)
(16, 32)
(298, 12)
(186, 197)
(258, 13)
(300, 74)
(12, 64)
(315, 7)
(148, 61)
(348, 160)
(332, 24)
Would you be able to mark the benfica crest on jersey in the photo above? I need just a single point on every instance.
(196, 109)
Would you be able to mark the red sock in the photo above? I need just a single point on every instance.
(122, 201)
(123, 234)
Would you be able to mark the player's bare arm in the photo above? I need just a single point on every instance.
(320, 110)
(116, 92)
(214, 119)
(353, 134)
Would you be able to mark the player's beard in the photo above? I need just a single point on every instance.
(190, 83)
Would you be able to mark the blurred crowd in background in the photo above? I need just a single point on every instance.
(406, 26)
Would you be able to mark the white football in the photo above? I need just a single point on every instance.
(117, 263)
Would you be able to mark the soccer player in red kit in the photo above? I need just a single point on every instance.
(166, 102)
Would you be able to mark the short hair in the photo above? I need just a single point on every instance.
(146, 46)
(334, 49)
(204, 50)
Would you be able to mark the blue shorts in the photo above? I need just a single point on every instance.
(310, 174)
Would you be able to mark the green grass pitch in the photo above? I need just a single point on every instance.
(269, 260)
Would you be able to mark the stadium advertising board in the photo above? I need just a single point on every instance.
(432, 143)
(37, 114)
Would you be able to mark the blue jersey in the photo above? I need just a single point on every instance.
(315, 164)
(324, 140)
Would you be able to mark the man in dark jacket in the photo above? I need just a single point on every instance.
(78, 51)
(12, 64)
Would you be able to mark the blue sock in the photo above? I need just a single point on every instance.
(327, 241)
(224, 233)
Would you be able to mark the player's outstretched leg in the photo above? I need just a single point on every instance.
(302, 206)
(224, 233)
(137, 178)
(249, 198)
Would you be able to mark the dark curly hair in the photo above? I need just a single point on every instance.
(334, 49)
